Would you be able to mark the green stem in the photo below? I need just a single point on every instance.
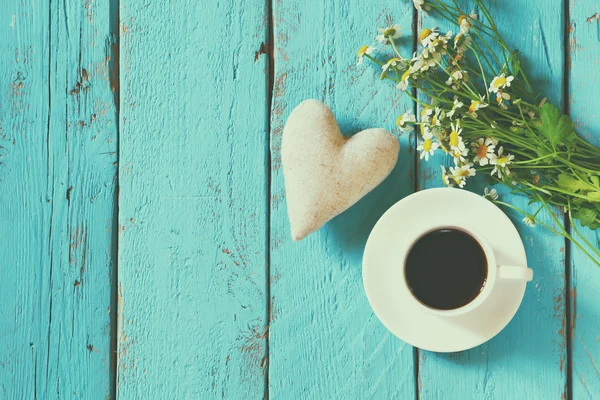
(574, 227)
(395, 49)
(566, 234)
(376, 61)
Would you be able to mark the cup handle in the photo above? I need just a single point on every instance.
(510, 272)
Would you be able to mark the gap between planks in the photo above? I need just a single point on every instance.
(415, 34)
(115, 80)
(568, 393)
(270, 83)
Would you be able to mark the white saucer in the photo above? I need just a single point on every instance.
(383, 276)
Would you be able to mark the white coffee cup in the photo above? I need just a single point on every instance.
(494, 272)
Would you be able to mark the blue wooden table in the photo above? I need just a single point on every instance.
(144, 243)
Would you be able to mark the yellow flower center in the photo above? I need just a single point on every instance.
(502, 160)
(406, 75)
(500, 82)
(437, 43)
(454, 139)
(464, 173)
(400, 122)
(434, 120)
(389, 32)
(427, 145)
(462, 18)
(474, 106)
(424, 112)
(393, 61)
(482, 151)
(362, 51)
(424, 34)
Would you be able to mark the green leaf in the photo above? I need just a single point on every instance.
(595, 181)
(594, 196)
(586, 216)
(516, 65)
(556, 128)
(567, 182)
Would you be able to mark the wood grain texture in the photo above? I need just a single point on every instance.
(584, 52)
(58, 131)
(193, 203)
(180, 102)
(528, 358)
(325, 342)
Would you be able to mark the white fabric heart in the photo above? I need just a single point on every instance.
(326, 173)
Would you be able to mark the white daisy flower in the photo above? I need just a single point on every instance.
(456, 76)
(460, 156)
(461, 43)
(364, 50)
(385, 34)
(426, 114)
(475, 106)
(403, 84)
(440, 43)
(430, 54)
(460, 174)
(529, 221)
(501, 162)
(423, 64)
(484, 150)
(465, 23)
(422, 6)
(446, 177)
(458, 180)
(491, 195)
(465, 171)
(406, 121)
(393, 62)
(500, 97)
(426, 60)
(427, 147)
(427, 36)
(457, 104)
(456, 141)
(438, 117)
(500, 82)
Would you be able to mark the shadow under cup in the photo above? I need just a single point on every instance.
(446, 269)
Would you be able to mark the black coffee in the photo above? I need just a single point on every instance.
(446, 269)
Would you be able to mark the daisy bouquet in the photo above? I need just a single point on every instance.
(477, 106)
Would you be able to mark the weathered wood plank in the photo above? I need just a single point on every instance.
(584, 51)
(193, 202)
(58, 132)
(325, 342)
(532, 348)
